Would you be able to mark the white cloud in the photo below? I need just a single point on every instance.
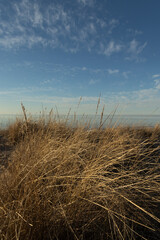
(113, 71)
(46, 82)
(157, 83)
(141, 101)
(84, 68)
(34, 40)
(113, 23)
(134, 49)
(125, 74)
(111, 48)
(24, 91)
(38, 18)
(93, 81)
(146, 94)
(12, 41)
(17, 41)
(7, 92)
(61, 100)
(134, 32)
(101, 23)
(1, 31)
(155, 75)
(133, 46)
(15, 91)
(86, 2)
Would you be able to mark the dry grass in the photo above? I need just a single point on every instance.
(78, 183)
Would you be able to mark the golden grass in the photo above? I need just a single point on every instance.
(67, 182)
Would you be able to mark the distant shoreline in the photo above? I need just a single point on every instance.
(124, 120)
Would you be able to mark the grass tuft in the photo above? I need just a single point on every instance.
(65, 182)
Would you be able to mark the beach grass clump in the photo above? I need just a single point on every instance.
(65, 182)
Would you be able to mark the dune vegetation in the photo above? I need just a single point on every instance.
(63, 181)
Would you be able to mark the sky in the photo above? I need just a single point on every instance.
(53, 52)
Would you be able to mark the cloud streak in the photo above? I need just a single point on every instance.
(113, 71)
(156, 76)
(135, 49)
(111, 48)
(93, 81)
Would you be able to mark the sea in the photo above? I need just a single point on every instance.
(92, 120)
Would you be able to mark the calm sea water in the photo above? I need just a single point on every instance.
(138, 120)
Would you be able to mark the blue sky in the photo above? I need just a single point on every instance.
(53, 52)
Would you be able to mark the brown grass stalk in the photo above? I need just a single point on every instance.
(65, 182)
